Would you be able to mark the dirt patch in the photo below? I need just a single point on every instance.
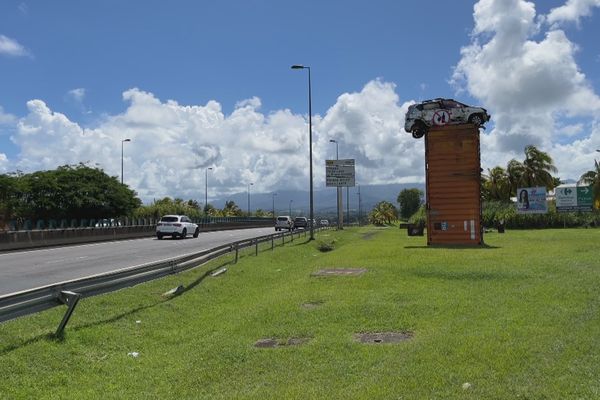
(340, 272)
(369, 235)
(312, 305)
(272, 342)
(383, 337)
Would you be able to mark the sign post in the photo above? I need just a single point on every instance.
(339, 173)
(574, 198)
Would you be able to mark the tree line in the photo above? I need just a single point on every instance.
(70, 191)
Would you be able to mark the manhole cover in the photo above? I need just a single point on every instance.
(340, 272)
(271, 342)
(383, 337)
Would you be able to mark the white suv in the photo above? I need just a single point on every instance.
(420, 117)
(176, 226)
(284, 222)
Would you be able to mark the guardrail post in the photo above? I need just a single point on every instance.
(256, 241)
(236, 253)
(292, 236)
(70, 299)
(282, 238)
(272, 242)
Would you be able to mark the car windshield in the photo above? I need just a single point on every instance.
(281, 218)
(300, 219)
(169, 219)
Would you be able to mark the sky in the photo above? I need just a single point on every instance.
(208, 84)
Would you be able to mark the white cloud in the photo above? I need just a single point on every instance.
(528, 85)
(23, 8)
(5, 118)
(172, 144)
(11, 47)
(572, 11)
(3, 163)
(77, 94)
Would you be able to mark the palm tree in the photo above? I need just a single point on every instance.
(514, 172)
(536, 169)
(231, 209)
(497, 184)
(592, 177)
(383, 213)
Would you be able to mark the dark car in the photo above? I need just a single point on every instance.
(300, 222)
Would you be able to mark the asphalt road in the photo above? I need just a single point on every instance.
(34, 268)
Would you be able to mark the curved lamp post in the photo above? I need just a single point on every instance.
(123, 141)
(299, 66)
(250, 184)
(206, 186)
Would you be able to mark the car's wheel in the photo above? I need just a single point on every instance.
(476, 119)
(419, 130)
(197, 232)
(183, 233)
(159, 236)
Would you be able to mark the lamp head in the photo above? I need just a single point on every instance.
(297, 66)
(126, 140)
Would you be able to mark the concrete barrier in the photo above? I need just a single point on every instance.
(19, 240)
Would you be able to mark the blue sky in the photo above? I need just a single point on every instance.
(198, 84)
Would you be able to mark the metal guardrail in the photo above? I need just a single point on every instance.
(70, 292)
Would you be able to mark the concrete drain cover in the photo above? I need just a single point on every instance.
(383, 337)
(270, 342)
(340, 272)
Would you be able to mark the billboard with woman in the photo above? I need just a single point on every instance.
(532, 200)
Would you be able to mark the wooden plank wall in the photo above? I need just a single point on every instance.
(453, 174)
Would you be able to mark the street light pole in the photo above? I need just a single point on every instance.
(358, 205)
(206, 187)
(312, 216)
(340, 222)
(274, 194)
(123, 141)
(291, 201)
(250, 184)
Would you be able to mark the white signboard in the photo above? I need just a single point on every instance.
(532, 200)
(339, 173)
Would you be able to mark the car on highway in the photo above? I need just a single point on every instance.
(300, 222)
(284, 222)
(176, 226)
(324, 222)
(438, 112)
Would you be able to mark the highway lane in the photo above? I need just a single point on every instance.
(34, 268)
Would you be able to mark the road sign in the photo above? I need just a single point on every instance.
(339, 173)
(574, 198)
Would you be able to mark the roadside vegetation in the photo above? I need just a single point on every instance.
(517, 318)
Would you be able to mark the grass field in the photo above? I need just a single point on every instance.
(518, 319)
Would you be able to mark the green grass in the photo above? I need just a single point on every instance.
(517, 319)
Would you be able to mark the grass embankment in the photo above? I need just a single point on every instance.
(517, 319)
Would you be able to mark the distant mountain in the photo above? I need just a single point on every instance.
(324, 199)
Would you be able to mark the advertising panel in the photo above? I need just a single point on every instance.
(532, 200)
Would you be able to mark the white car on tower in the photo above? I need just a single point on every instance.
(176, 226)
(438, 112)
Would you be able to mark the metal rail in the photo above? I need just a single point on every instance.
(70, 292)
